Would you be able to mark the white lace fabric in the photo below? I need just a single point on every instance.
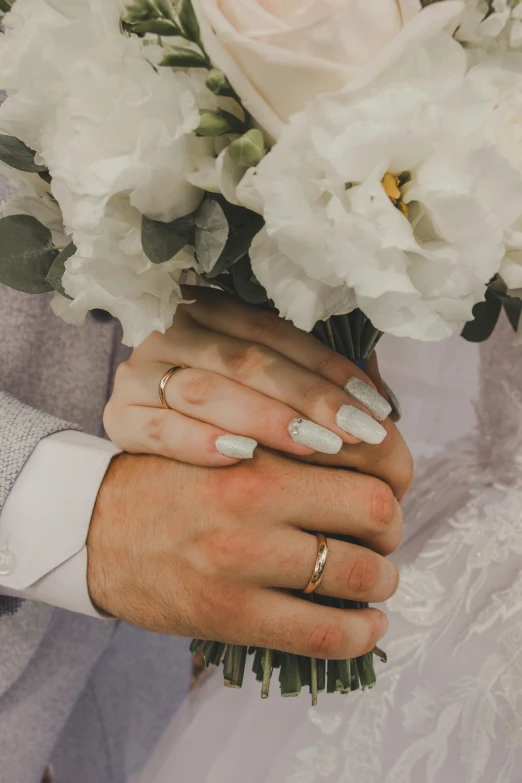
(448, 706)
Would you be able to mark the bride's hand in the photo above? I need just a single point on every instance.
(249, 373)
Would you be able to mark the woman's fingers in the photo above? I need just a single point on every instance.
(143, 430)
(216, 400)
(271, 374)
(220, 312)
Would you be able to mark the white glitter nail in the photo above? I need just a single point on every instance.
(369, 397)
(306, 433)
(360, 425)
(236, 446)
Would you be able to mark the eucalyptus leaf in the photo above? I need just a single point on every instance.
(57, 270)
(26, 254)
(182, 57)
(513, 309)
(486, 315)
(156, 27)
(162, 241)
(246, 284)
(18, 155)
(238, 244)
(212, 232)
(189, 21)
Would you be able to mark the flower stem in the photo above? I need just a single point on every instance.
(267, 674)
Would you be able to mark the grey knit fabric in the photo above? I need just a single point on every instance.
(21, 429)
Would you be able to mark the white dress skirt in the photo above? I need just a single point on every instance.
(447, 707)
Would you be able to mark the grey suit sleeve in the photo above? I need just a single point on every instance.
(21, 430)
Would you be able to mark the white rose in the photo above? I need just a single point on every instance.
(279, 54)
(343, 229)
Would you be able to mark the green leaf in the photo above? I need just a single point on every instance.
(141, 10)
(238, 244)
(182, 57)
(156, 27)
(211, 234)
(165, 8)
(189, 21)
(5, 6)
(26, 254)
(162, 241)
(486, 315)
(246, 284)
(18, 155)
(56, 272)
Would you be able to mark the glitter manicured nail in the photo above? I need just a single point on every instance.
(360, 425)
(236, 446)
(369, 397)
(306, 433)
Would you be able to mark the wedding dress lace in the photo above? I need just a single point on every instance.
(448, 706)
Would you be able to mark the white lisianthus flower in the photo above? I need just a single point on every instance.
(492, 25)
(498, 81)
(114, 275)
(391, 199)
(280, 54)
(116, 135)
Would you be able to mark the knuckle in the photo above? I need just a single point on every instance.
(155, 427)
(326, 641)
(317, 392)
(328, 367)
(362, 573)
(110, 419)
(244, 360)
(266, 327)
(123, 374)
(384, 509)
(197, 387)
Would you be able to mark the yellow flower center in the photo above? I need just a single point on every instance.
(391, 185)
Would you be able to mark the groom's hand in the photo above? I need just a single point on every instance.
(212, 553)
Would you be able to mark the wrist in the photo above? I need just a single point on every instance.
(101, 554)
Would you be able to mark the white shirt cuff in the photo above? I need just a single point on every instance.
(45, 521)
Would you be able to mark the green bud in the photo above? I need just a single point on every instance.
(218, 83)
(213, 124)
(249, 150)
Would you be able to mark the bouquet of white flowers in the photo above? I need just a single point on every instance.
(355, 165)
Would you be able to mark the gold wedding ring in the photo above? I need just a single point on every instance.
(320, 565)
(162, 388)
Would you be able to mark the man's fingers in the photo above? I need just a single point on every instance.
(346, 503)
(391, 461)
(279, 621)
(352, 572)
